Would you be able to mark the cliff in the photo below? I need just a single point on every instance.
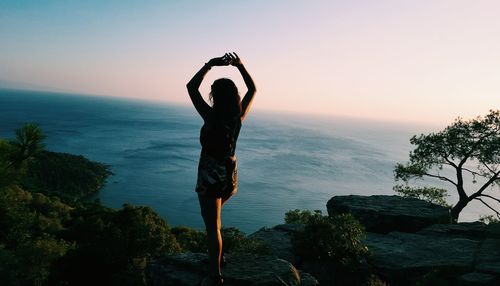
(411, 242)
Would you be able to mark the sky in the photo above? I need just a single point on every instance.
(426, 61)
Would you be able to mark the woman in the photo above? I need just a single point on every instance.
(217, 173)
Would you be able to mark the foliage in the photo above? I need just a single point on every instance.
(49, 240)
(487, 219)
(27, 234)
(429, 194)
(300, 217)
(190, 240)
(236, 241)
(335, 238)
(331, 249)
(466, 148)
(8, 174)
(144, 232)
(28, 143)
(374, 280)
(48, 236)
(16, 219)
(113, 246)
(36, 257)
(70, 176)
(438, 277)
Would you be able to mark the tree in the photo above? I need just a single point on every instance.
(470, 149)
(28, 143)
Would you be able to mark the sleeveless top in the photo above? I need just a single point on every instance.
(218, 137)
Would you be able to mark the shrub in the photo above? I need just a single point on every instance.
(190, 240)
(335, 238)
(234, 240)
(300, 217)
(487, 219)
(113, 247)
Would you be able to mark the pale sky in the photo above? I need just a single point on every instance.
(427, 61)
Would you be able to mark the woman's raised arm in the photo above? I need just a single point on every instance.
(194, 84)
(246, 102)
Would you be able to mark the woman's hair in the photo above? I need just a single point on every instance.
(225, 99)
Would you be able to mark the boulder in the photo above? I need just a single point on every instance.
(470, 230)
(278, 239)
(493, 230)
(241, 269)
(404, 258)
(383, 214)
(477, 279)
(488, 257)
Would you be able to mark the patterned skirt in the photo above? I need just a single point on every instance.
(217, 178)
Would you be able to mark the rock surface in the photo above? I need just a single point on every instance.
(409, 239)
(278, 239)
(476, 279)
(241, 269)
(383, 214)
(471, 230)
(402, 258)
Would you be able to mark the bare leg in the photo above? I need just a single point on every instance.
(225, 199)
(210, 211)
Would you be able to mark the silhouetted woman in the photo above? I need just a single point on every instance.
(217, 172)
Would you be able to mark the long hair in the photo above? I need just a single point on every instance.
(225, 99)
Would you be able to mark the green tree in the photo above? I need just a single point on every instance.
(28, 143)
(470, 149)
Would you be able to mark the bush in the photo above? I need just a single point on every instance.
(234, 240)
(113, 247)
(487, 219)
(335, 238)
(300, 217)
(16, 219)
(190, 240)
(29, 263)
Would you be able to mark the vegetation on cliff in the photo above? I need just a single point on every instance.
(465, 151)
(329, 244)
(50, 236)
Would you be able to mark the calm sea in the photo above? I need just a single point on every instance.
(285, 162)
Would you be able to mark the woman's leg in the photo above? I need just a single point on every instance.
(225, 199)
(210, 211)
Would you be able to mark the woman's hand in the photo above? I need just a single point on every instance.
(225, 60)
(235, 60)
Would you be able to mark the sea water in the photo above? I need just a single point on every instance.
(285, 161)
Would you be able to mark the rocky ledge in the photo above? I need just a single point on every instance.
(409, 240)
(242, 269)
(383, 214)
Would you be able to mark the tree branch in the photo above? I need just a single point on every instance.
(487, 184)
(491, 197)
(451, 163)
(473, 148)
(487, 167)
(474, 173)
(440, 177)
(490, 207)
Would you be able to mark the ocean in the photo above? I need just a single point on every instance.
(285, 161)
